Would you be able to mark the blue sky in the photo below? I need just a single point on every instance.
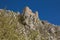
(48, 9)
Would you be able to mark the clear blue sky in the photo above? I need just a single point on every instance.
(48, 9)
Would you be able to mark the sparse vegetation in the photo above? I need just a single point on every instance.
(12, 28)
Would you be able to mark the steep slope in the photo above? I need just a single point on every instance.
(26, 26)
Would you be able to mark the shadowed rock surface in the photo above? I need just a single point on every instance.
(26, 26)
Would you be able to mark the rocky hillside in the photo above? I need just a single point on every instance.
(26, 26)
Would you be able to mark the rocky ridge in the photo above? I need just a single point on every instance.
(26, 26)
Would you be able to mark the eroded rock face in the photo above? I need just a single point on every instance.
(26, 26)
(30, 18)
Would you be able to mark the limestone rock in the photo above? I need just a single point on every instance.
(26, 26)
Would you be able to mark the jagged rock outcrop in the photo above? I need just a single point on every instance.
(26, 26)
